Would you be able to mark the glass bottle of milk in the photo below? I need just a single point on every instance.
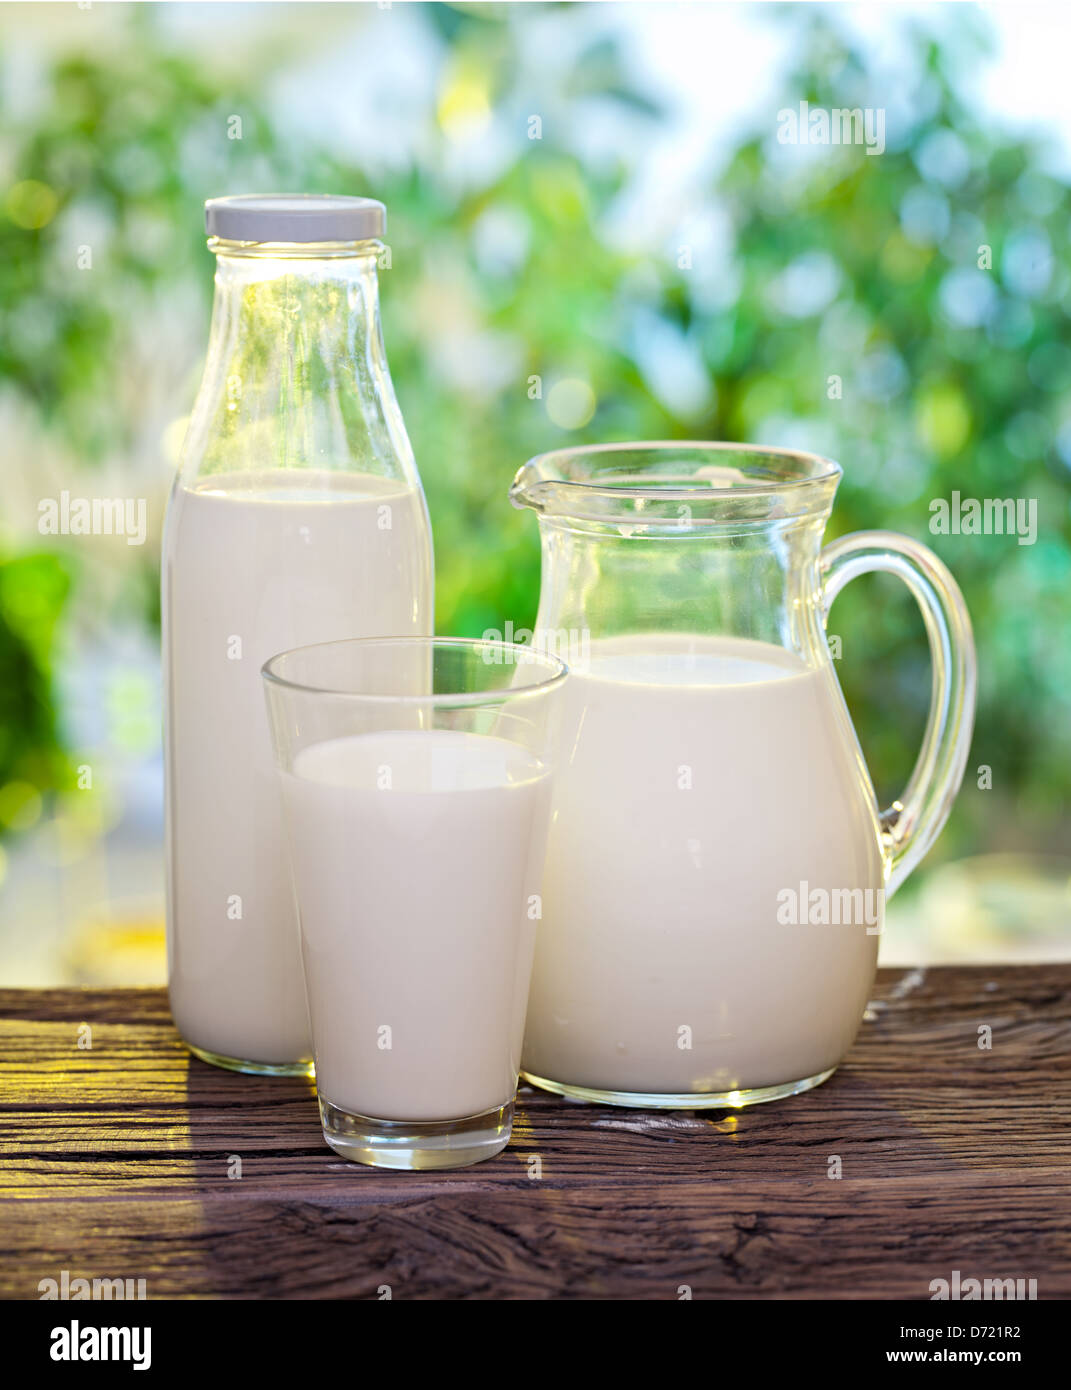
(297, 516)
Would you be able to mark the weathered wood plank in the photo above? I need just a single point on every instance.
(830, 1240)
(117, 1161)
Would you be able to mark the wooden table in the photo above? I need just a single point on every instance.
(120, 1161)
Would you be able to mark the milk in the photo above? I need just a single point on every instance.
(698, 783)
(253, 565)
(416, 857)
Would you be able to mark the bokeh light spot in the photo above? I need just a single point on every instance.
(31, 205)
(571, 403)
(20, 805)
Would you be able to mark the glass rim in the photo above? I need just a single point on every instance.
(772, 482)
(459, 699)
(820, 468)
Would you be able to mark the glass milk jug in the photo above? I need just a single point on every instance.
(717, 868)
(297, 516)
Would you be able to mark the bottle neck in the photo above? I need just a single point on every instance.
(296, 374)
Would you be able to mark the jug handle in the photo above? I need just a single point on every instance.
(911, 824)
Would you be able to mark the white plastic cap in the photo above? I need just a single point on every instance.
(294, 217)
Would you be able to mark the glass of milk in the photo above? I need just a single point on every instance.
(416, 779)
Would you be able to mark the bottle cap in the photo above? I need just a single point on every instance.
(294, 217)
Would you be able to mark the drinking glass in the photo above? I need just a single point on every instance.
(416, 779)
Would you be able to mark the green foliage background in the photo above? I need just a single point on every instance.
(931, 401)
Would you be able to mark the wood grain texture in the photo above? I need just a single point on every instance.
(116, 1162)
